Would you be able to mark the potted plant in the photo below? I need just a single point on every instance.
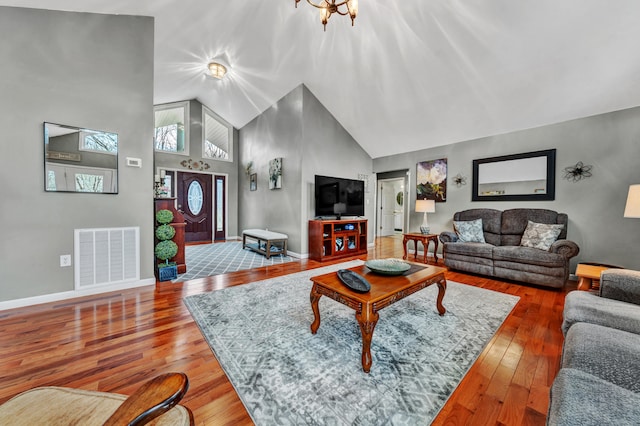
(166, 248)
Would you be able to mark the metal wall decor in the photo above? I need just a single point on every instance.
(577, 172)
(459, 180)
(195, 165)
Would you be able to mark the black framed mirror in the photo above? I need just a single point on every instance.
(520, 177)
(80, 160)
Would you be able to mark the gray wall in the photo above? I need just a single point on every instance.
(230, 168)
(300, 130)
(85, 70)
(610, 142)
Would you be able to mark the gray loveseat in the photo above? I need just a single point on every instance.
(598, 382)
(502, 256)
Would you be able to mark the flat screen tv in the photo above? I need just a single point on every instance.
(338, 196)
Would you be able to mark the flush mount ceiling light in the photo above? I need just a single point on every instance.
(217, 70)
(329, 7)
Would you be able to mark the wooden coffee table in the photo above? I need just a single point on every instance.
(385, 290)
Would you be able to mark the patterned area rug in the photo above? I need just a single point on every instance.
(213, 259)
(285, 375)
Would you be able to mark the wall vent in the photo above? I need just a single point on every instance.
(106, 256)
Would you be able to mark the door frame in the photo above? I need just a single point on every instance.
(213, 189)
(405, 206)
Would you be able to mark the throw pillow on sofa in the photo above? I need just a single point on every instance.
(540, 235)
(469, 231)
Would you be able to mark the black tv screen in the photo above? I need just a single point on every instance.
(338, 196)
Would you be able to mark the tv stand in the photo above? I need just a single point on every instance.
(334, 239)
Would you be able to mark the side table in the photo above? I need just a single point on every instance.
(424, 239)
(589, 275)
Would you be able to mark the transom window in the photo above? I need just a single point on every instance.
(218, 136)
(171, 131)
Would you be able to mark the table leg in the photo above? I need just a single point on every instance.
(404, 245)
(584, 284)
(442, 288)
(435, 249)
(315, 297)
(367, 321)
(425, 248)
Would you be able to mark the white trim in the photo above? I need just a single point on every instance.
(55, 297)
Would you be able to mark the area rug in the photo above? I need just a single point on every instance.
(204, 260)
(283, 374)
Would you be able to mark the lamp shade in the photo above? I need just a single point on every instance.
(428, 206)
(632, 208)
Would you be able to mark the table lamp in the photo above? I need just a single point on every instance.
(632, 209)
(425, 206)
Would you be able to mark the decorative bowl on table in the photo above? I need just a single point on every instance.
(389, 266)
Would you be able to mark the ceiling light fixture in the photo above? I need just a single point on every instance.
(217, 70)
(329, 7)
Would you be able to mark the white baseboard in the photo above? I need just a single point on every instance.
(65, 295)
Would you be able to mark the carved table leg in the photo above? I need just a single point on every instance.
(404, 245)
(315, 297)
(435, 249)
(442, 288)
(367, 321)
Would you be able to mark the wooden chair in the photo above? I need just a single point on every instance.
(155, 401)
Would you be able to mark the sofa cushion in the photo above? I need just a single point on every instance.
(482, 250)
(528, 255)
(540, 235)
(582, 306)
(469, 231)
(491, 220)
(579, 398)
(515, 221)
(605, 352)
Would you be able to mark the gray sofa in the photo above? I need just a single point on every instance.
(502, 256)
(598, 380)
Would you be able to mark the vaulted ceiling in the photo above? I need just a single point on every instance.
(410, 74)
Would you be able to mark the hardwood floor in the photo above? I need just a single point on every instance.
(114, 342)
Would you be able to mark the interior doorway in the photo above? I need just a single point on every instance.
(391, 209)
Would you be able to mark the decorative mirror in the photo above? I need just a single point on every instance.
(80, 160)
(520, 177)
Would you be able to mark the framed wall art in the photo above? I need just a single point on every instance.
(431, 180)
(275, 173)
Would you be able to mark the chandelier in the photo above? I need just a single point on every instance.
(329, 7)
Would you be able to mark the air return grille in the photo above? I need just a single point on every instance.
(106, 256)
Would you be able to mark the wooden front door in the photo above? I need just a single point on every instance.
(194, 200)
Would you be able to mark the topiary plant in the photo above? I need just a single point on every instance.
(165, 232)
(165, 250)
(164, 216)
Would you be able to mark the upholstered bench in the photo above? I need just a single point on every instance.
(265, 242)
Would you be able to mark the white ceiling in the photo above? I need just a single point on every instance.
(411, 74)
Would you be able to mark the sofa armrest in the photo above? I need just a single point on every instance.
(448, 237)
(621, 284)
(566, 248)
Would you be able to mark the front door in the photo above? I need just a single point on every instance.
(194, 200)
